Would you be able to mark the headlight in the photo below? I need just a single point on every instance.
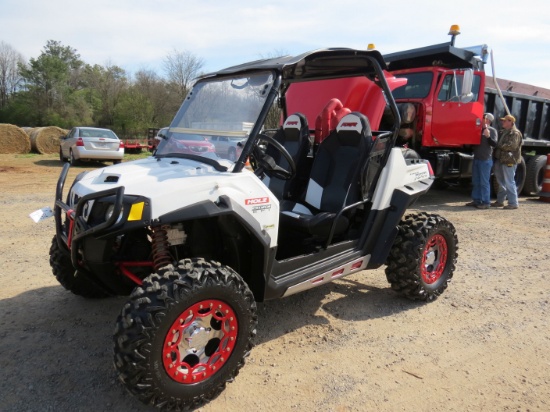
(109, 213)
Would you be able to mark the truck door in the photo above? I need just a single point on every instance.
(456, 122)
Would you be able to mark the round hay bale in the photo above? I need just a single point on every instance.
(28, 130)
(13, 139)
(46, 139)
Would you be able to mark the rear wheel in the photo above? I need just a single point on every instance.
(534, 175)
(61, 157)
(184, 334)
(68, 277)
(72, 159)
(422, 259)
(520, 175)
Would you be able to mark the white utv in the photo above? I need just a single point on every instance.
(196, 240)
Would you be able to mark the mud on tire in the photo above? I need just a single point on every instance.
(184, 334)
(64, 272)
(422, 259)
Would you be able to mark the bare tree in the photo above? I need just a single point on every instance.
(181, 68)
(10, 78)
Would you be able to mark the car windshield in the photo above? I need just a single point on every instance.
(216, 108)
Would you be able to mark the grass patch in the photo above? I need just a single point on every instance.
(28, 155)
(128, 157)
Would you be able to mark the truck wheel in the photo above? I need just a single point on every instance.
(534, 175)
(68, 277)
(520, 175)
(423, 257)
(184, 334)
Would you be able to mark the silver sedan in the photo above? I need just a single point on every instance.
(91, 143)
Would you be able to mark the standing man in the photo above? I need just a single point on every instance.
(483, 161)
(507, 157)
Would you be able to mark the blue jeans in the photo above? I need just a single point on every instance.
(481, 175)
(506, 183)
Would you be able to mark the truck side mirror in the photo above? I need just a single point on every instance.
(466, 94)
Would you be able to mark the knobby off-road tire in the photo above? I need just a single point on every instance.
(422, 259)
(69, 278)
(184, 334)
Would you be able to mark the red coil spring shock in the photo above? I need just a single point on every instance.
(160, 246)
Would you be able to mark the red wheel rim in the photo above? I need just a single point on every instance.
(434, 259)
(200, 341)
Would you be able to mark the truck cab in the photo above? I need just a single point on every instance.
(442, 105)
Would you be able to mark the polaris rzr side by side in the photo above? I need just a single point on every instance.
(196, 240)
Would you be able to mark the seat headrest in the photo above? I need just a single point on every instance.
(294, 121)
(353, 128)
(355, 121)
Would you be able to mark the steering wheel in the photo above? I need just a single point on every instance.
(264, 163)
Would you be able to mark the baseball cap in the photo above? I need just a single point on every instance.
(509, 117)
(489, 116)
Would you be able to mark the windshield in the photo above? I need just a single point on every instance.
(216, 118)
(417, 87)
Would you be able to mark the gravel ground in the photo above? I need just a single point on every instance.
(352, 345)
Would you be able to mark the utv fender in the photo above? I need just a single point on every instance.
(223, 206)
(380, 242)
(220, 209)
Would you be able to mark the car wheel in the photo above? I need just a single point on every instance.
(185, 333)
(61, 157)
(116, 162)
(72, 160)
(423, 257)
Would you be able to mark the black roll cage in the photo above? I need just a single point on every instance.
(323, 64)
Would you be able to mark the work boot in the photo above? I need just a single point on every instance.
(497, 204)
(510, 207)
(482, 206)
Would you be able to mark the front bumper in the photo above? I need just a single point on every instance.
(73, 226)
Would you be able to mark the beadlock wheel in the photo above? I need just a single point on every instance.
(434, 259)
(422, 259)
(200, 341)
(184, 334)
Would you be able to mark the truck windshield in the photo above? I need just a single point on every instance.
(417, 87)
(214, 109)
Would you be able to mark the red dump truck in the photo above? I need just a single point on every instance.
(441, 105)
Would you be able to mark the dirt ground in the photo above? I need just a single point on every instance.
(352, 345)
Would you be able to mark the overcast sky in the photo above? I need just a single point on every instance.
(139, 34)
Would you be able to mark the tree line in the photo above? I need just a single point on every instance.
(59, 89)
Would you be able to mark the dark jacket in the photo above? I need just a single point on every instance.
(484, 150)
